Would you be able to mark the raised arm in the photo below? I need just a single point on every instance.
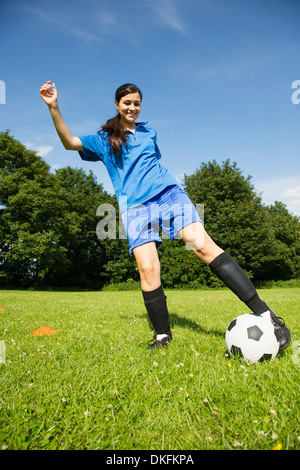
(48, 93)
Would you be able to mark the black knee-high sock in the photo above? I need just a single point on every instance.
(233, 276)
(156, 305)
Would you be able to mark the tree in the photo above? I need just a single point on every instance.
(48, 222)
(236, 218)
(285, 262)
(181, 268)
(85, 253)
(28, 243)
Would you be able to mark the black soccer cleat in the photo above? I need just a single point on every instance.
(282, 333)
(157, 344)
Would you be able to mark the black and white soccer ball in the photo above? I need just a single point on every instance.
(252, 337)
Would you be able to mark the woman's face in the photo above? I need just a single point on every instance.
(129, 108)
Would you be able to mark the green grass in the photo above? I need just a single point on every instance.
(94, 385)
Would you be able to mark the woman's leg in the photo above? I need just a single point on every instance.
(197, 240)
(155, 300)
(149, 266)
(233, 276)
(223, 265)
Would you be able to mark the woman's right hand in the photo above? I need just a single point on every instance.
(47, 94)
(50, 97)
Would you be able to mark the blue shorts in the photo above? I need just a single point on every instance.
(171, 210)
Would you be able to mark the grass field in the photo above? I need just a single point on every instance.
(94, 385)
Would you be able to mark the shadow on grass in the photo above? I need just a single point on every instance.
(184, 322)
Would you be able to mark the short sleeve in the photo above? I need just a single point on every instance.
(93, 148)
(157, 151)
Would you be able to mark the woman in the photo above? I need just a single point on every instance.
(149, 198)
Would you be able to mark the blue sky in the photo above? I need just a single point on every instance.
(216, 76)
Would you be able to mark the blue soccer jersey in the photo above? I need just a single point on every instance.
(136, 174)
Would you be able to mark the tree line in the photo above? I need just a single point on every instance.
(48, 227)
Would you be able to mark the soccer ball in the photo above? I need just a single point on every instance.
(252, 338)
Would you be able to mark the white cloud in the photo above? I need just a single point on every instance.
(94, 21)
(286, 190)
(167, 14)
(41, 150)
(293, 192)
(64, 22)
(44, 150)
(108, 22)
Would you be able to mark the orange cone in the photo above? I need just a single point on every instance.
(44, 330)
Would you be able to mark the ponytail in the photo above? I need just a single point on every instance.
(116, 134)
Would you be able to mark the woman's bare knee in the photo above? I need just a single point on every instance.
(149, 266)
(197, 240)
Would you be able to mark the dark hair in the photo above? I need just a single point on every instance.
(116, 134)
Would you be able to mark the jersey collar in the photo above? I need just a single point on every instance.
(141, 123)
